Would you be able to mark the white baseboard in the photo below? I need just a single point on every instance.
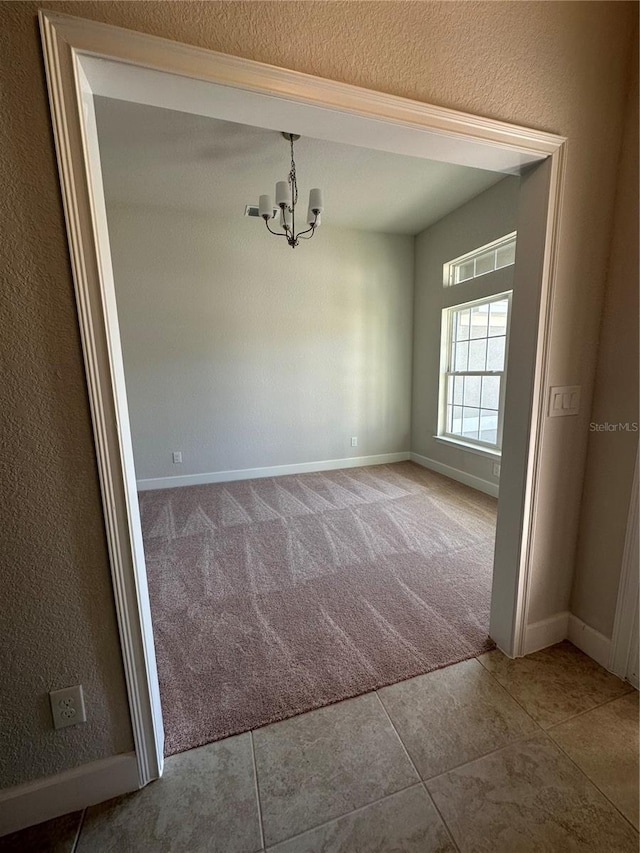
(275, 471)
(455, 474)
(590, 641)
(547, 632)
(70, 791)
(566, 626)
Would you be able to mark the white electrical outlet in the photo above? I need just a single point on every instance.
(354, 441)
(177, 457)
(496, 469)
(67, 706)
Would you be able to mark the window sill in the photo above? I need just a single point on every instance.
(472, 448)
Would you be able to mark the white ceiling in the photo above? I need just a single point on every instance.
(163, 158)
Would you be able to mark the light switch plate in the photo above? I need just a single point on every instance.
(564, 400)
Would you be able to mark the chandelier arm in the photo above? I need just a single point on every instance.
(313, 231)
(287, 229)
(312, 228)
(277, 233)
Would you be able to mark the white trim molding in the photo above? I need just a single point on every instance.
(496, 455)
(478, 483)
(546, 632)
(627, 605)
(273, 471)
(85, 58)
(547, 190)
(566, 626)
(76, 142)
(589, 641)
(70, 791)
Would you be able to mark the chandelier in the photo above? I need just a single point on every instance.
(286, 200)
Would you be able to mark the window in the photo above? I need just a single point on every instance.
(475, 338)
(492, 257)
(474, 346)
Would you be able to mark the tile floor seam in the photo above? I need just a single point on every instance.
(564, 719)
(78, 831)
(591, 782)
(510, 695)
(522, 739)
(477, 657)
(588, 711)
(263, 844)
(498, 791)
(397, 733)
(547, 737)
(341, 816)
(422, 781)
(442, 818)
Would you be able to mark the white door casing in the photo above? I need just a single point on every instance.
(85, 58)
(624, 641)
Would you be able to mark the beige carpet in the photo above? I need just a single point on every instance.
(275, 596)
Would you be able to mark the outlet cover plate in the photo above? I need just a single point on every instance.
(67, 706)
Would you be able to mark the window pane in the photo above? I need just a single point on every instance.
(488, 426)
(472, 390)
(461, 355)
(456, 422)
(495, 354)
(498, 317)
(479, 321)
(470, 422)
(458, 389)
(478, 354)
(485, 263)
(490, 392)
(461, 325)
(506, 255)
(465, 271)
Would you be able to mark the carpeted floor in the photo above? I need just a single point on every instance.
(275, 596)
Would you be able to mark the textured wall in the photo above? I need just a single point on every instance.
(485, 218)
(242, 353)
(611, 454)
(555, 66)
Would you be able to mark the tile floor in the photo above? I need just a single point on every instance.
(538, 754)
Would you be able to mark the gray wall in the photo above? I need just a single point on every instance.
(612, 453)
(242, 353)
(556, 66)
(485, 218)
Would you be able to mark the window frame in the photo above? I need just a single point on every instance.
(448, 269)
(446, 363)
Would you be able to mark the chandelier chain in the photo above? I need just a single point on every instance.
(293, 183)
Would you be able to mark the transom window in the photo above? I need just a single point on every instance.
(493, 256)
(475, 340)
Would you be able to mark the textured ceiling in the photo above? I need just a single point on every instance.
(160, 158)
